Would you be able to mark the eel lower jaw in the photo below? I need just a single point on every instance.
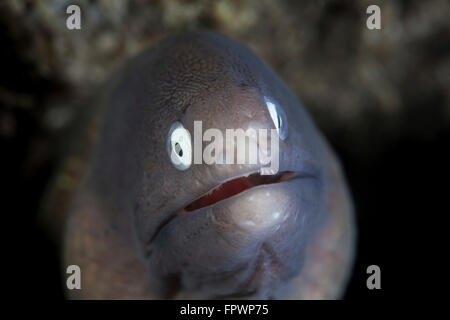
(235, 186)
(259, 265)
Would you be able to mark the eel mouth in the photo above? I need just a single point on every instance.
(229, 189)
(235, 186)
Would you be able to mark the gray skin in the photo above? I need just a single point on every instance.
(288, 240)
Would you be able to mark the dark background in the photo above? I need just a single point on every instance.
(381, 97)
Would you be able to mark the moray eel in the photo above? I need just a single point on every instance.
(142, 226)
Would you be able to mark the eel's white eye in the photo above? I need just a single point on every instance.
(278, 117)
(179, 146)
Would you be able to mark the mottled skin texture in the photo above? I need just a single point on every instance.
(288, 240)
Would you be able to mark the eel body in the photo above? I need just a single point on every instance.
(145, 223)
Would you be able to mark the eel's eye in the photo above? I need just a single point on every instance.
(278, 117)
(179, 146)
